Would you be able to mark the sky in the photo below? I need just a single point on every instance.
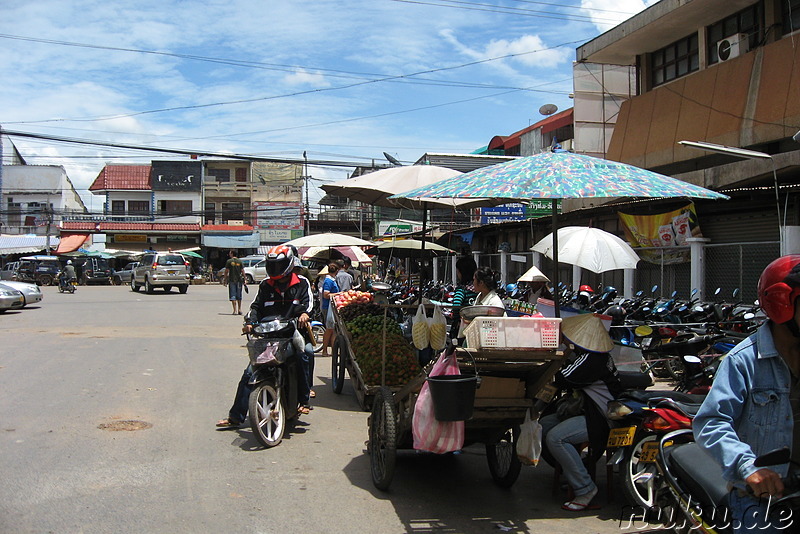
(341, 81)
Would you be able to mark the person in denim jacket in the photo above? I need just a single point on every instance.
(752, 406)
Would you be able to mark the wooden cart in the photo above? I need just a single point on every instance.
(495, 420)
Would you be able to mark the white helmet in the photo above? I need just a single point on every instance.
(69, 262)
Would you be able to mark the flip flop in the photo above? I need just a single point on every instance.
(227, 423)
(302, 410)
(311, 394)
(573, 506)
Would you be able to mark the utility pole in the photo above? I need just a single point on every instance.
(48, 219)
(305, 179)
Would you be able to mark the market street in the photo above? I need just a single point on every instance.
(74, 366)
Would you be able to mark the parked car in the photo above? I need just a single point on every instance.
(256, 273)
(161, 269)
(123, 276)
(41, 270)
(30, 292)
(9, 271)
(91, 270)
(10, 299)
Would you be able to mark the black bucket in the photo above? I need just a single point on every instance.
(453, 396)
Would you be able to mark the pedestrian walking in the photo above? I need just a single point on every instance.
(234, 278)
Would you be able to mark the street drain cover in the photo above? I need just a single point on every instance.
(128, 425)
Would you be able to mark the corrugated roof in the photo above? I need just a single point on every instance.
(547, 125)
(130, 177)
(139, 227)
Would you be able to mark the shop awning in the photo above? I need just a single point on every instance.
(232, 241)
(71, 242)
(25, 244)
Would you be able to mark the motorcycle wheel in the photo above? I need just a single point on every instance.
(383, 438)
(71, 288)
(267, 414)
(501, 454)
(337, 365)
(60, 288)
(319, 332)
(639, 480)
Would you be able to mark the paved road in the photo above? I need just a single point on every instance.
(75, 364)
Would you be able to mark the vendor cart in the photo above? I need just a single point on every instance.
(512, 380)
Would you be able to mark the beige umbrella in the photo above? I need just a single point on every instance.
(325, 253)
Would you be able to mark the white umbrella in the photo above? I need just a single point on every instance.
(590, 248)
(325, 253)
(329, 240)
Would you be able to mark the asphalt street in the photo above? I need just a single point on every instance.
(163, 368)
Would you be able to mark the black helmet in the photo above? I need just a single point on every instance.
(280, 261)
(617, 314)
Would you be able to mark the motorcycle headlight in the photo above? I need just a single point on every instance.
(617, 410)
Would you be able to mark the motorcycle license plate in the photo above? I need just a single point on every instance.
(650, 452)
(621, 437)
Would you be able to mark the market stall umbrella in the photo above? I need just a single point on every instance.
(190, 253)
(328, 253)
(591, 248)
(559, 175)
(409, 248)
(329, 240)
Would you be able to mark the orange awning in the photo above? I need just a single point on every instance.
(71, 242)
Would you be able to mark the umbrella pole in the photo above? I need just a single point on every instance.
(422, 247)
(556, 294)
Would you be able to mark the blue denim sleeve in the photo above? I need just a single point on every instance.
(715, 424)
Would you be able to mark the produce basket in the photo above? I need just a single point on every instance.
(513, 333)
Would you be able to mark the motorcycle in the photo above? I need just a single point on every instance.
(272, 346)
(693, 492)
(65, 283)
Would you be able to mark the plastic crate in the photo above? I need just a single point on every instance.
(513, 333)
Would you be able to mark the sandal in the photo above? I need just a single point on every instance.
(302, 410)
(581, 503)
(311, 394)
(227, 423)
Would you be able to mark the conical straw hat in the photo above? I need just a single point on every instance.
(586, 330)
(533, 275)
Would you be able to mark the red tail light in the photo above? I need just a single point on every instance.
(665, 420)
(155, 265)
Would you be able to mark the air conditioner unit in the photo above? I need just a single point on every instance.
(733, 46)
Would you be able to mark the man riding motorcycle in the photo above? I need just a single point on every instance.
(286, 294)
(67, 274)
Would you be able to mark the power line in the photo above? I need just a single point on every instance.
(474, 6)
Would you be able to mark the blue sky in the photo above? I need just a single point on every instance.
(341, 80)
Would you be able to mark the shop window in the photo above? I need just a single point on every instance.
(138, 207)
(210, 212)
(233, 211)
(118, 207)
(241, 174)
(749, 21)
(220, 175)
(676, 60)
(174, 207)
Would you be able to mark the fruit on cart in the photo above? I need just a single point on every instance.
(419, 333)
(351, 296)
(438, 335)
(371, 324)
(401, 360)
(353, 310)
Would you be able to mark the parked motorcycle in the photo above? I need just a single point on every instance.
(272, 346)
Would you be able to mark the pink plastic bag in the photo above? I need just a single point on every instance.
(429, 434)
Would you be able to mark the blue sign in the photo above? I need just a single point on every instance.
(504, 213)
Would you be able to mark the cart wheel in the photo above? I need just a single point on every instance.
(383, 438)
(501, 453)
(337, 365)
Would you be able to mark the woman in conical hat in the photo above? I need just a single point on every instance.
(592, 374)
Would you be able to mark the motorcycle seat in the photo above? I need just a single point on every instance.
(699, 472)
(635, 380)
(645, 396)
(689, 409)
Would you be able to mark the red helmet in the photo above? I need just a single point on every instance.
(280, 261)
(778, 288)
(586, 287)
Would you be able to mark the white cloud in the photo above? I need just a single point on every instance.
(304, 77)
(608, 13)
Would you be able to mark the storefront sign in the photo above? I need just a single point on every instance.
(176, 175)
(278, 215)
(130, 238)
(397, 227)
(179, 238)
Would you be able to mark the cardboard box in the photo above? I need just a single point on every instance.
(500, 388)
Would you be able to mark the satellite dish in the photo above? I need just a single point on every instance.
(391, 159)
(548, 109)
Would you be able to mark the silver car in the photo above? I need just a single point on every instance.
(30, 292)
(10, 299)
(161, 269)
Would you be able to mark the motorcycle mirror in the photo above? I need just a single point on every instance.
(639, 293)
(776, 457)
(698, 308)
(674, 293)
(691, 359)
(695, 291)
(736, 293)
(654, 289)
(718, 291)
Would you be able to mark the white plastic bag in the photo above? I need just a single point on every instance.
(419, 329)
(529, 444)
(437, 329)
